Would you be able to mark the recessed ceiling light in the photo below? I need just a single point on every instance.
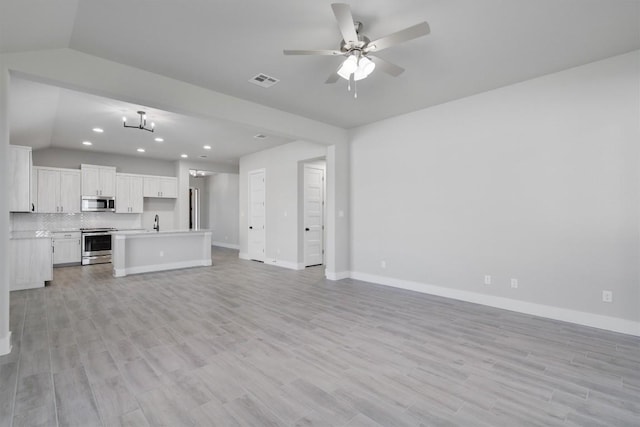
(140, 150)
(159, 139)
(207, 147)
(203, 156)
(98, 130)
(260, 136)
(184, 156)
(87, 143)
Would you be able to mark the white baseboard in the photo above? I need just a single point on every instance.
(225, 245)
(286, 264)
(5, 344)
(243, 255)
(161, 267)
(572, 316)
(332, 275)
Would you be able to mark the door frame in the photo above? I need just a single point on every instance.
(301, 238)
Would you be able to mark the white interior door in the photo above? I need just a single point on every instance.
(256, 217)
(313, 215)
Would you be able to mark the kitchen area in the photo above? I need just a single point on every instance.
(64, 217)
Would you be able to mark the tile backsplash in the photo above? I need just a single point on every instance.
(52, 222)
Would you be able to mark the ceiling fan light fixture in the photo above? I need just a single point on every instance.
(366, 66)
(359, 66)
(348, 67)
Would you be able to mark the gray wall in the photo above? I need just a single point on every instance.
(72, 159)
(536, 181)
(223, 209)
(282, 178)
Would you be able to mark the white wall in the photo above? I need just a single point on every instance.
(164, 208)
(72, 159)
(537, 181)
(224, 193)
(5, 334)
(282, 180)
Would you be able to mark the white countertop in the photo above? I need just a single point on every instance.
(35, 234)
(157, 233)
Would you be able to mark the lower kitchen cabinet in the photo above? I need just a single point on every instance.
(30, 263)
(67, 248)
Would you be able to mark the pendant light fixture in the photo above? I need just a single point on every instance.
(143, 123)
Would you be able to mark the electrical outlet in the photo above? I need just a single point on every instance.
(383, 264)
(607, 296)
(487, 279)
(514, 283)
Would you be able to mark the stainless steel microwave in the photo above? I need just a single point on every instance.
(98, 204)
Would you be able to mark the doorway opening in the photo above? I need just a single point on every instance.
(198, 198)
(313, 212)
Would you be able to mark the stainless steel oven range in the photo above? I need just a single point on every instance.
(96, 245)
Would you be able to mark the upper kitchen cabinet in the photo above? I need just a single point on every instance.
(20, 165)
(129, 198)
(57, 190)
(98, 180)
(161, 186)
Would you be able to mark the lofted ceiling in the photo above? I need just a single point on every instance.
(474, 46)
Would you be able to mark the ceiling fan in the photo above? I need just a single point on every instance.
(359, 50)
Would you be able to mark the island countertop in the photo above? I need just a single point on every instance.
(151, 233)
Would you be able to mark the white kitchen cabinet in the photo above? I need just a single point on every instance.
(98, 180)
(67, 248)
(30, 263)
(161, 186)
(20, 165)
(129, 193)
(58, 190)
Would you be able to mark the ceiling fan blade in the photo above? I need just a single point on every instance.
(345, 22)
(413, 32)
(386, 66)
(333, 78)
(312, 52)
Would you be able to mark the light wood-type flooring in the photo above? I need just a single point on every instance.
(247, 344)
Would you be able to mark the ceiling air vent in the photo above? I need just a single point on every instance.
(263, 80)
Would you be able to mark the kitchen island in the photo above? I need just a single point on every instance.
(147, 251)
